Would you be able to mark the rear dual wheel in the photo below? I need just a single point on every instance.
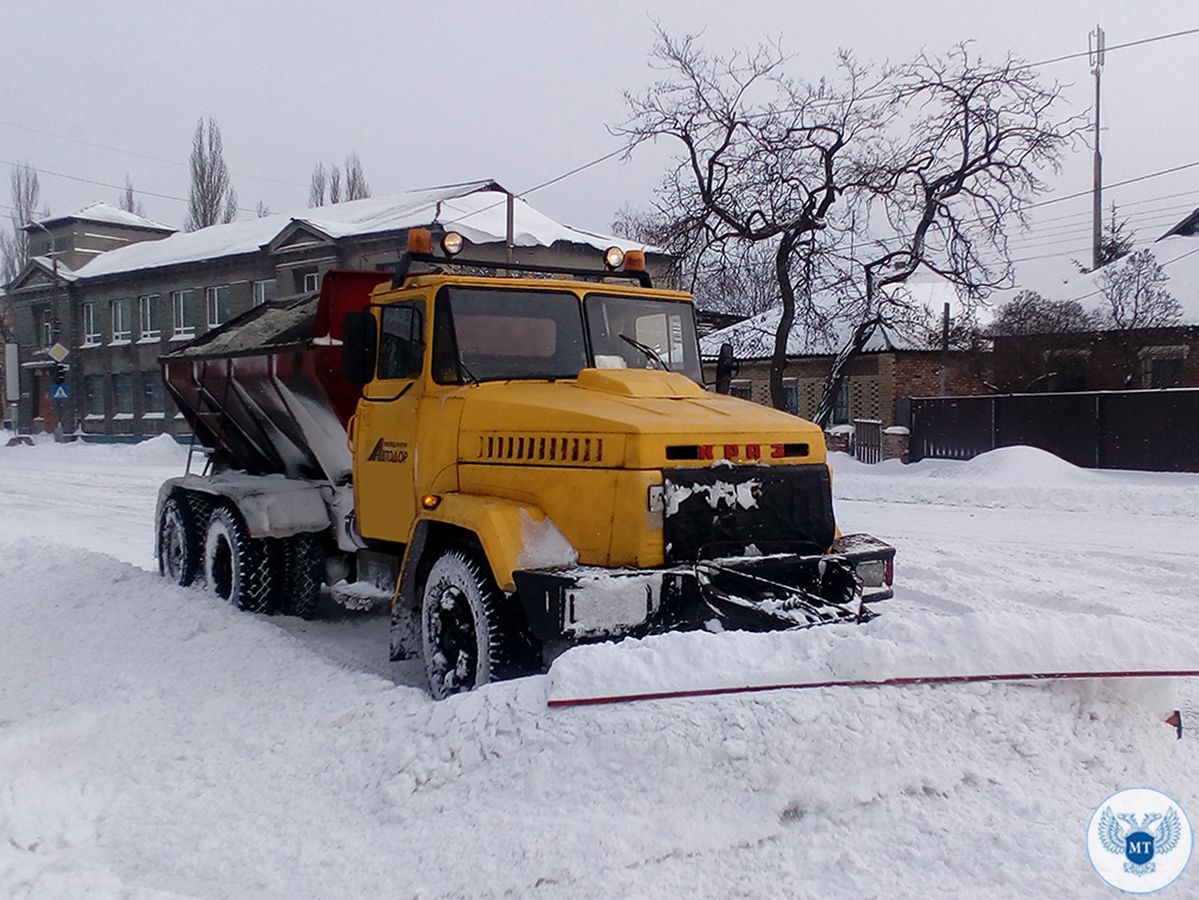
(237, 567)
(202, 540)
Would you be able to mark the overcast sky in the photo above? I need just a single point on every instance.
(431, 93)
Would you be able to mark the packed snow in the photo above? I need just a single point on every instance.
(156, 743)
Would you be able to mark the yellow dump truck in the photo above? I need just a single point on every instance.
(518, 461)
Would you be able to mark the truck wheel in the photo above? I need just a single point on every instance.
(178, 542)
(461, 635)
(300, 575)
(236, 566)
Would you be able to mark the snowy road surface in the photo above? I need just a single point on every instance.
(155, 743)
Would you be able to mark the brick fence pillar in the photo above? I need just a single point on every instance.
(895, 443)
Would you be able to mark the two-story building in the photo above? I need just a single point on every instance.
(118, 310)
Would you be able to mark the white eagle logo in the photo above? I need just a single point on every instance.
(1139, 842)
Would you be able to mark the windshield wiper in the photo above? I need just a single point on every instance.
(463, 370)
(650, 353)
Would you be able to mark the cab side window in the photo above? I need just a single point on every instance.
(402, 340)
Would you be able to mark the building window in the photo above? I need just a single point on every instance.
(743, 390)
(147, 311)
(1163, 367)
(91, 328)
(93, 388)
(791, 395)
(1067, 370)
(264, 291)
(122, 320)
(218, 304)
(122, 394)
(153, 396)
(841, 404)
(310, 282)
(183, 303)
(47, 328)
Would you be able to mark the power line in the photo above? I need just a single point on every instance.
(1079, 55)
(119, 187)
(138, 154)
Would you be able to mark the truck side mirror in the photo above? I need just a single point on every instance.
(359, 340)
(726, 368)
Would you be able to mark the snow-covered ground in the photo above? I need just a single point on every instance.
(155, 743)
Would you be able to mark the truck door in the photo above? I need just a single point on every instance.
(386, 428)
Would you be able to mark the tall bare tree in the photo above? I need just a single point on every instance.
(129, 201)
(764, 156)
(334, 184)
(25, 193)
(317, 186)
(945, 195)
(211, 199)
(357, 187)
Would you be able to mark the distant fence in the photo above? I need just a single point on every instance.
(1154, 430)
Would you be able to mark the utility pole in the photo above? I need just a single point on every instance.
(1095, 56)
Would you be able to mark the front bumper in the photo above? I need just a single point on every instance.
(748, 593)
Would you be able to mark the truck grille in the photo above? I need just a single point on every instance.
(727, 510)
(551, 449)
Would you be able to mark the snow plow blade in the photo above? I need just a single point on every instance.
(759, 593)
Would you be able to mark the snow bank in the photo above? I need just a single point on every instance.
(1020, 466)
(197, 751)
(1018, 478)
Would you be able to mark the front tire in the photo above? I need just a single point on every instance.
(236, 566)
(462, 638)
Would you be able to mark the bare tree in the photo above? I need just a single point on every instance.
(212, 198)
(317, 186)
(357, 187)
(945, 195)
(25, 193)
(728, 277)
(764, 156)
(334, 184)
(1028, 313)
(10, 257)
(1135, 294)
(129, 201)
(262, 210)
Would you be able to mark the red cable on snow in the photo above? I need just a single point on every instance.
(882, 682)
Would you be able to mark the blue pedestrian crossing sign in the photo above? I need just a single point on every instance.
(60, 392)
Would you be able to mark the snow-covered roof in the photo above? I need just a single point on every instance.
(1177, 255)
(108, 215)
(754, 337)
(478, 210)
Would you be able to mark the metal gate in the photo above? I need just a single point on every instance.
(868, 440)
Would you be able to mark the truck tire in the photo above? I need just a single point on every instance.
(237, 567)
(463, 640)
(300, 575)
(178, 542)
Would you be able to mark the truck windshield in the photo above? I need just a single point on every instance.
(483, 334)
(636, 333)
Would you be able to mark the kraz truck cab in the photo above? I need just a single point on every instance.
(519, 463)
